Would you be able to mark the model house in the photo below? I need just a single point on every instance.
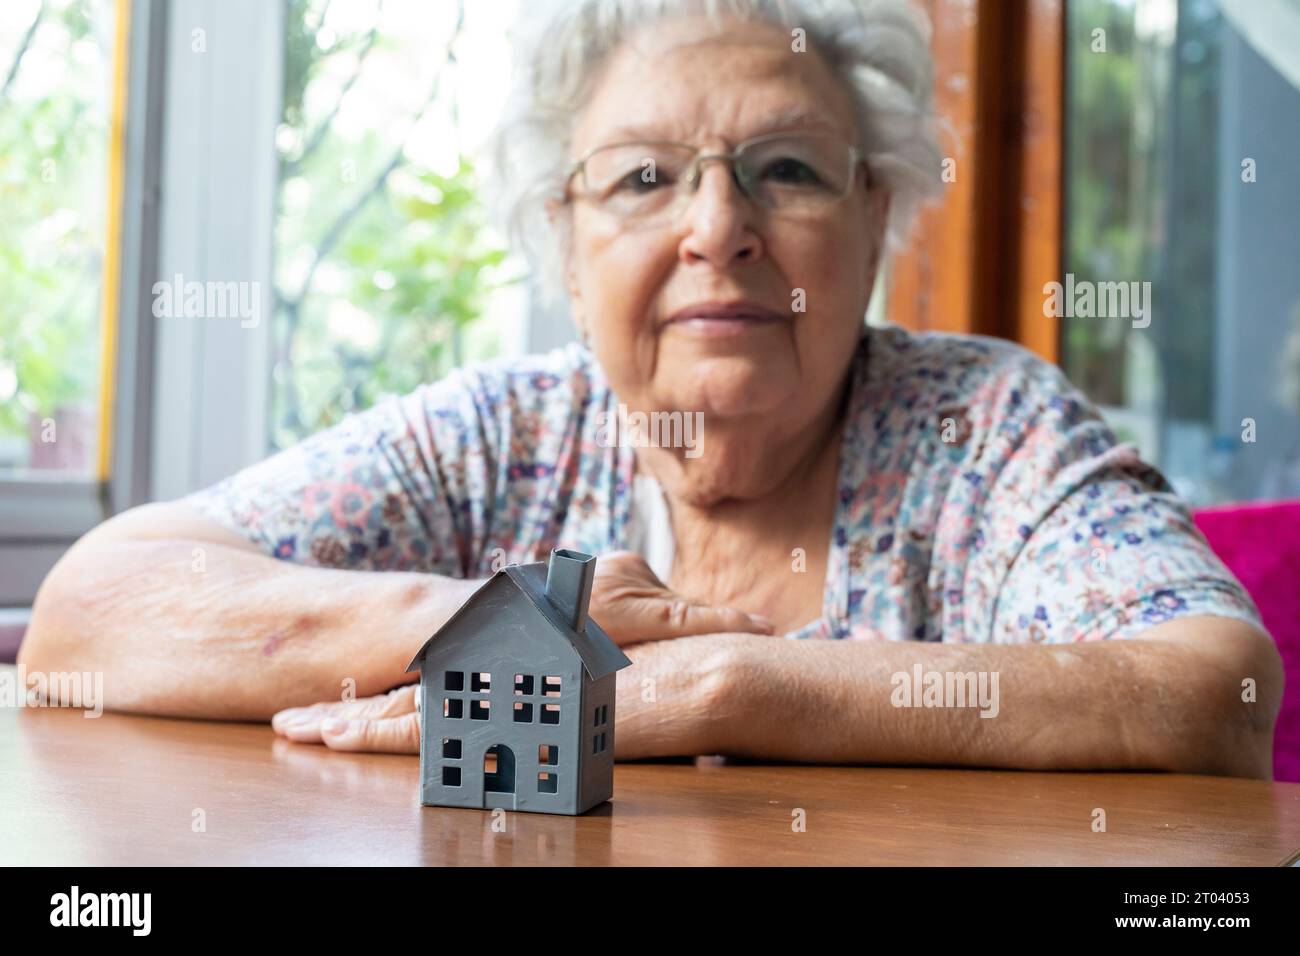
(517, 695)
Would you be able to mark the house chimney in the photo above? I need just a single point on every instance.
(568, 585)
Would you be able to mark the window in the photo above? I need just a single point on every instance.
(598, 744)
(453, 708)
(384, 265)
(63, 191)
(481, 683)
(479, 709)
(453, 680)
(550, 713)
(551, 686)
(451, 750)
(524, 684)
(1170, 179)
(58, 76)
(600, 716)
(548, 755)
(523, 712)
(1181, 142)
(548, 782)
(310, 153)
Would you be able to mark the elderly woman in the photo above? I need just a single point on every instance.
(712, 186)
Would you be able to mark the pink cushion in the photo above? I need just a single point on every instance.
(1260, 543)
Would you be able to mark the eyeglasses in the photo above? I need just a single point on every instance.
(794, 175)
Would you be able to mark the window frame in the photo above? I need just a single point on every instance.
(217, 215)
(1000, 84)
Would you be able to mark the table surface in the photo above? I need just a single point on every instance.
(133, 790)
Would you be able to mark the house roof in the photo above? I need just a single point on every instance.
(600, 656)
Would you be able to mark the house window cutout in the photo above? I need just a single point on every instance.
(548, 755)
(453, 680)
(479, 709)
(451, 776)
(524, 685)
(604, 715)
(453, 707)
(548, 783)
(499, 769)
(550, 713)
(451, 748)
(595, 717)
(551, 686)
(523, 712)
(481, 682)
(598, 744)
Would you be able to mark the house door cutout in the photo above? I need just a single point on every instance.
(499, 770)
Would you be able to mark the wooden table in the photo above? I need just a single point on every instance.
(132, 790)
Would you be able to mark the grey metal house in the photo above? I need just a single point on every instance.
(517, 695)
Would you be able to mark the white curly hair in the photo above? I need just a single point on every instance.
(878, 48)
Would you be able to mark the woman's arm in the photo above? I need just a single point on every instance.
(1173, 700)
(187, 618)
(1170, 700)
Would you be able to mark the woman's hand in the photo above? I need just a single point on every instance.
(387, 723)
(675, 699)
(632, 605)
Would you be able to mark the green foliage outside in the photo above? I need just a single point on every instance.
(1141, 140)
(404, 249)
(53, 181)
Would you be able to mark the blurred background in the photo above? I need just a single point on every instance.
(326, 153)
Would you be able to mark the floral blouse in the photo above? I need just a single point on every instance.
(981, 497)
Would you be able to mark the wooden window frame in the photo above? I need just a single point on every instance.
(978, 260)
